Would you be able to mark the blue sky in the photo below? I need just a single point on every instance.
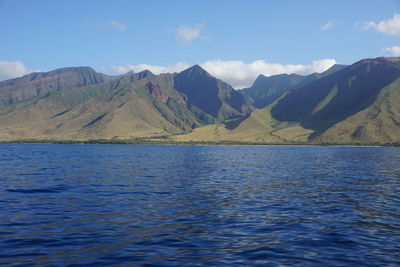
(234, 40)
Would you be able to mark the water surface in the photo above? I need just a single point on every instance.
(151, 205)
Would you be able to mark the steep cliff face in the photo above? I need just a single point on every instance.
(156, 91)
(356, 104)
(42, 83)
(135, 105)
(213, 96)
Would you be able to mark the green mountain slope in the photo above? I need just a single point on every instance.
(379, 122)
(329, 100)
(259, 126)
(356, 104)
(135, 105)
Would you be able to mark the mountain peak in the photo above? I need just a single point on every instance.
(331, 70)
(378, 60)
(80, 69)
(197, 67)
(134, 77)
(145, 73)
(205, 92)
(196, 71)
(392, 59)
(337, 67)
(381, 63)
(260, 77)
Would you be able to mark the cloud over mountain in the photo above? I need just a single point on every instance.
(140, 67)
(241, 74)
(10, 70)
(393, 50)
(238, 73)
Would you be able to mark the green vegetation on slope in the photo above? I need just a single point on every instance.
(135, 105)
(380, 122)
(258, 126)
(325, 102)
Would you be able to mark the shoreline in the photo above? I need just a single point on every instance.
(204, 143)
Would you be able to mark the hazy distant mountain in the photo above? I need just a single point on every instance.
(266, 90)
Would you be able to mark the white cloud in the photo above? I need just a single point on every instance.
(237, 73)
(187, 34)
(389, 26)
(119, 26)
(393, 50)
(103, 27)
(10, 70)
(326, 26)
(241, 74)
(140, 67)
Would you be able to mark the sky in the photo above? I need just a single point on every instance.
(234, 40)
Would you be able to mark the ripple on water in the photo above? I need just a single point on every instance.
(57, 189)
(81, 205)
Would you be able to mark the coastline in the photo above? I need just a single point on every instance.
(205, 143)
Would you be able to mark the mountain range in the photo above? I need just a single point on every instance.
(266, 90)
(345, 104)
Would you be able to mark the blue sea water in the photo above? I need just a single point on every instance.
(162, 205)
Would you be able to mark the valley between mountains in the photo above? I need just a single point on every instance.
(359, 103)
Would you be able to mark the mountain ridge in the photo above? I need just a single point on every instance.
(266, 90)
(41, 83)
(212, 95)
(345, 104)
(356, 104)
(134, 105)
